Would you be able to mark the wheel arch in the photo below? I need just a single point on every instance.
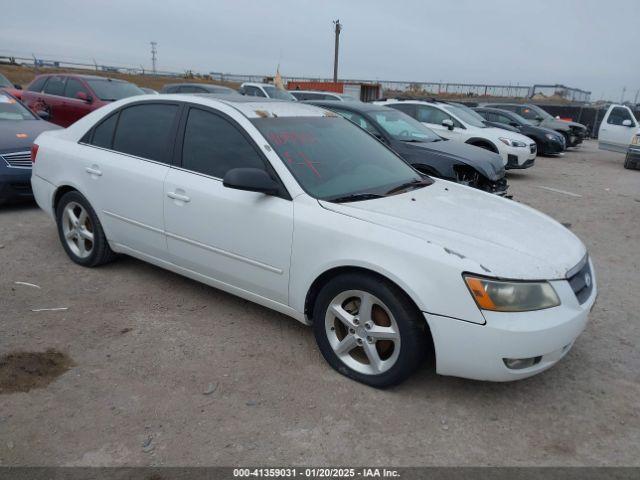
(483, 143)
(326, 276)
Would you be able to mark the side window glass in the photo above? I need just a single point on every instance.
(359, 120)
(433, 115)
(527, 113)
(37, 84)
(144, 131)
(55, 86)
(213, 146)
(103, 133)
(250, 91)
(73, 87)
(619, 115)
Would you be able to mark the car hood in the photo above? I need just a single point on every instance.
(496, 133)
(10, 129)
(484, 233)
(531, 129)
(489, 164)
(575, 125)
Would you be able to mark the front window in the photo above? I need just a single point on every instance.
(11, 109)
(111, 90)
(332, 158)
(473, 120)
(274, 92)
(533, 112)
(402, 127)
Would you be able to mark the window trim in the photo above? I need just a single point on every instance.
(87, 138)
(179, 146)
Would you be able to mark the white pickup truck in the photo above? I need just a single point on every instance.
(618, 128)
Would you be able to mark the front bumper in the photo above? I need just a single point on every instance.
(470, 350)
(575, 137)
(551, 147)
(15, 184)
(520, 157)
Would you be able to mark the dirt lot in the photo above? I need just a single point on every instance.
(166, 371)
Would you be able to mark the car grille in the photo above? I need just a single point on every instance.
(533, 148)
(17, 159)
(581, 280)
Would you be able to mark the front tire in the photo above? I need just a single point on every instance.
(369, 330)
(80, 231)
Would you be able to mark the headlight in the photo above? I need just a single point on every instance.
(636, 140)
(551, 136)
(512, 143)
(505, 296)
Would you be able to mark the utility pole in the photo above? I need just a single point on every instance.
(624, 89)
(154, 56)
(635, 101)
(338, 29)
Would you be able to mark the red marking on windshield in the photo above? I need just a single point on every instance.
(296, 138)
(309, 164)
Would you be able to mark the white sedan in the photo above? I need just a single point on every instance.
(295, 208)
(464, 125)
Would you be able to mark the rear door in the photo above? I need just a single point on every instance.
(51, 100)
(125, 172)
(242, 239)
(617, 129)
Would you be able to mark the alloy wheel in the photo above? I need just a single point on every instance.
(77, 229)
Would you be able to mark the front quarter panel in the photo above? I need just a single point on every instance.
(324, 240)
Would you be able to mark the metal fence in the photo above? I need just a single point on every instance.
(389, 86)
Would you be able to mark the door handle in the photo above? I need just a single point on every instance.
(179, 196)
(93, 171)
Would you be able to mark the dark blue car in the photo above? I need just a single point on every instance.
(19, 127)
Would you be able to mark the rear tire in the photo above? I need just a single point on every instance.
(380, 344)
(80, 231)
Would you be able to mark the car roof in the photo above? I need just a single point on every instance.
(83, 76)
(495, 109)
(250, 107)
(257, 84)
(196, 84)
(316, 91)
(352, 105)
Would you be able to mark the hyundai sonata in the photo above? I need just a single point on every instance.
(295, 208)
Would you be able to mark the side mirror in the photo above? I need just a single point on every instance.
(17, 86)
(514, 124)
(447, 123)
(84, 97)
(251, 180)
(43, 114)
(627, 123)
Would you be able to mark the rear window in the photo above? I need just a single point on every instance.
(110, 90)
(144, 131)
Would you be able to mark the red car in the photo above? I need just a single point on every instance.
(67, 98)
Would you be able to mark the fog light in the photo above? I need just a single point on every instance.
(520, 363)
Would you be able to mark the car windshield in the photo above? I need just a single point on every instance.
(469, 110)
(520, 119)
(111, 90)
(4, 82)
(11, 109)
(472, 119)
(274, 92)
(540, 112)
(403, 127)
(332, 158)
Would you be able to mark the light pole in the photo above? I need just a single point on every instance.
(338, 29)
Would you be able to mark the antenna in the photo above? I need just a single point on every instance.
(154, 56)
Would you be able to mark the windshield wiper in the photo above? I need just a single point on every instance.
(407, 185)
(354, 197)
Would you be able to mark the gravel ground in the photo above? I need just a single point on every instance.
(166, 371)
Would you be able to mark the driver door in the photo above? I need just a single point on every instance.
(237, 238)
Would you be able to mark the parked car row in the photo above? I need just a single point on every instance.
(318, 217)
